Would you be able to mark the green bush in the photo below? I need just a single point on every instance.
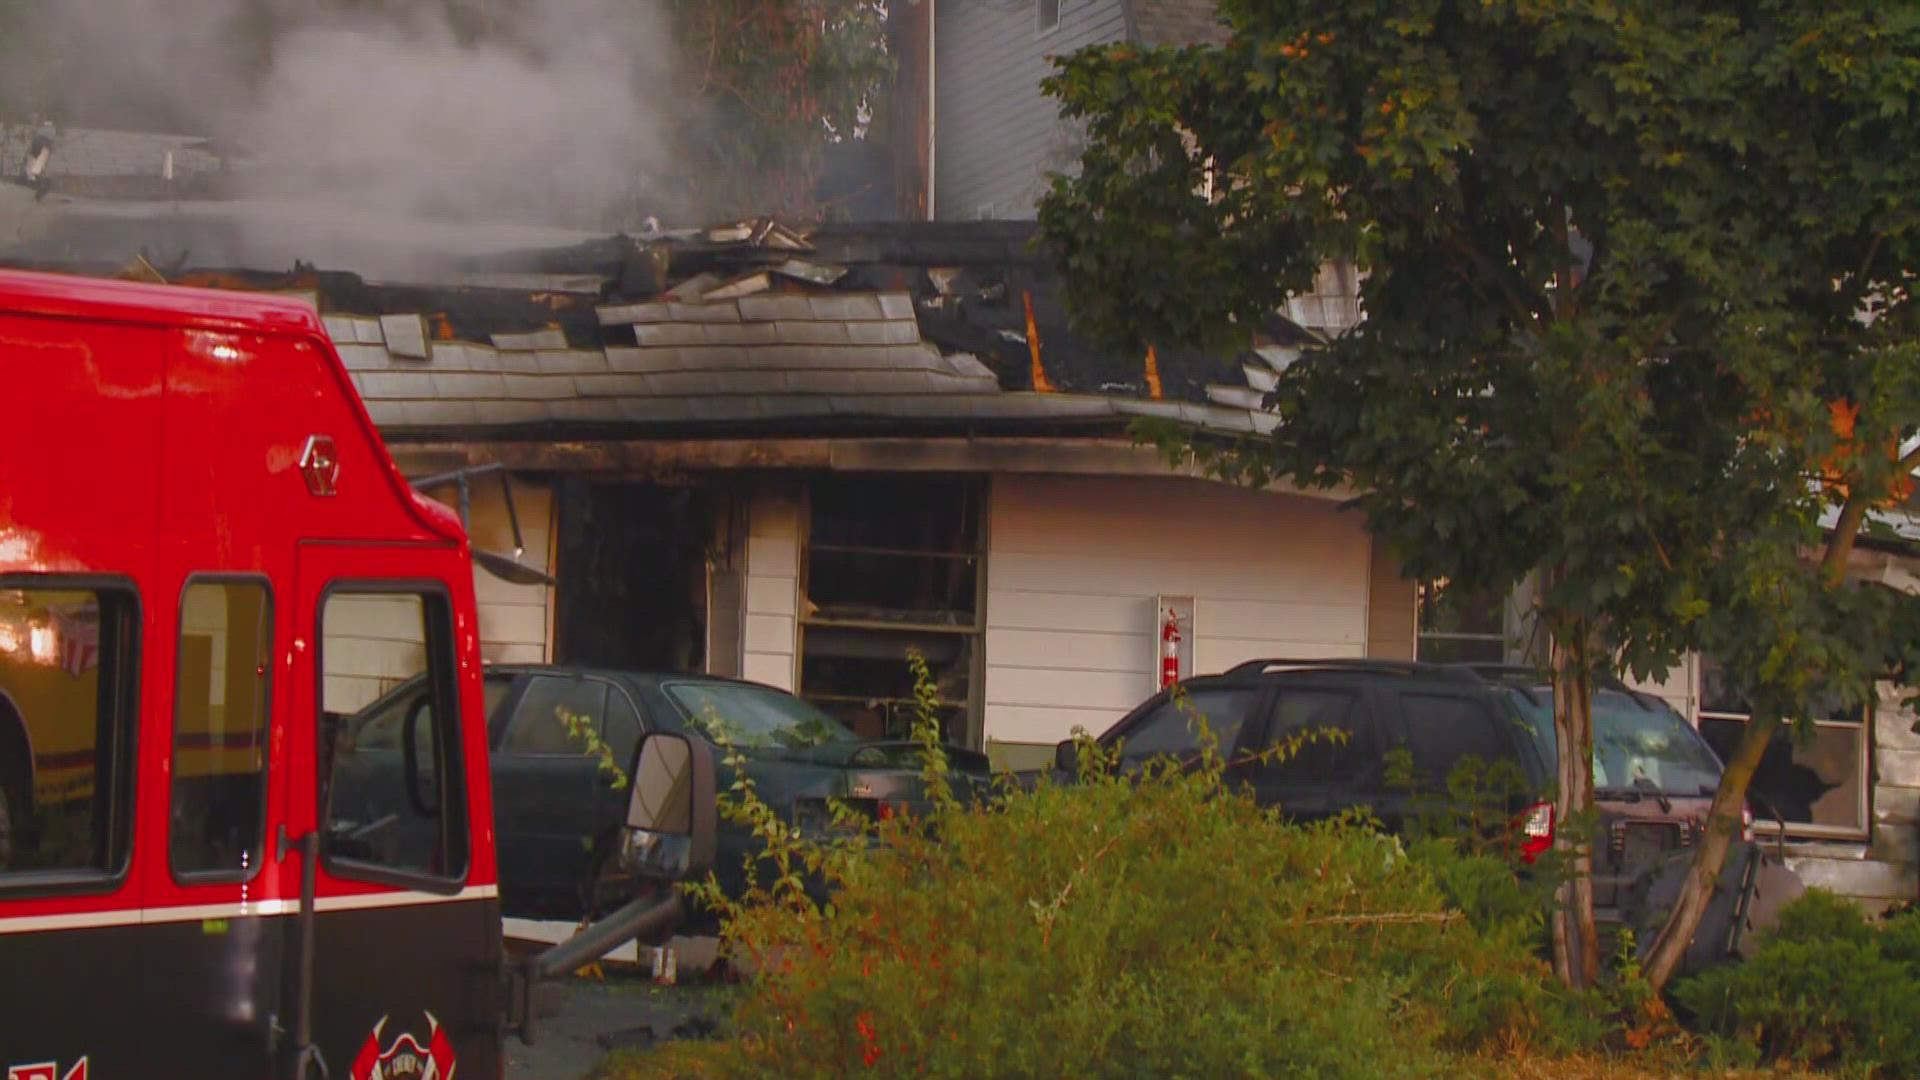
(1825, 989)
(1155, 926)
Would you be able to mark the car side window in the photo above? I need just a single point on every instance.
(1335, 740)
(621, 732)
(493, 691)
(1445, 729)
(542, 724)
(1173, 726)
(381, 726)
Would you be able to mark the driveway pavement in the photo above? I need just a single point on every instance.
(624, 1009)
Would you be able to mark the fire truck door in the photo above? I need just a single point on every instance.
(396, 944)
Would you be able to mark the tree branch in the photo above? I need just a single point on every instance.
(1567, 304)
(1853, 514)
(1866, 265)
(1521, 308)
(1384, 917)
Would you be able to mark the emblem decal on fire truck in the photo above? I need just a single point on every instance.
(48, 1070)
(405, 1058)
(320, 464)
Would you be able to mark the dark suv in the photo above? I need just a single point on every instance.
(1654, 776)
(1441, 717)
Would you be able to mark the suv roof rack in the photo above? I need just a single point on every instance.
(1498, 671)
(1365, 664)
(1533, 676)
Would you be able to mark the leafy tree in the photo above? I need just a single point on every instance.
(776, 82)
(1637, 314)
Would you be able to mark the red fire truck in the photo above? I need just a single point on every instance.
(220, 855)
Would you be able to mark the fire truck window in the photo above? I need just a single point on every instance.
(67, 715)
(220, 730)
(390, 787)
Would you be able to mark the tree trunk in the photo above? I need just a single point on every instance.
(1723, 825)
(1576, 942)
(1723, 820)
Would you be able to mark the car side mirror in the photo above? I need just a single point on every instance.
(672, 820)
(1066, 757)
(672, 814)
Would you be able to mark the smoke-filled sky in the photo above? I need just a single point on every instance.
(558, 117)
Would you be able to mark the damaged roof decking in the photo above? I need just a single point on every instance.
(922, 327)
(764, 360)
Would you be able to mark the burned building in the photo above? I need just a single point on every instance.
(798, 457)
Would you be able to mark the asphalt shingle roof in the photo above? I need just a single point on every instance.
(892, 326)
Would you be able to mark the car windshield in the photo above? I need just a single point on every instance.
(755, 716)
(1636, 747)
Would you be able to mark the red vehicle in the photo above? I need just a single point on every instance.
(208, 566)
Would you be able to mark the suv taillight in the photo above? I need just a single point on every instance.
(1746, 824)
(1536, 831)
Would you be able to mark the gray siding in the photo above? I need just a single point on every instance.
(996, 137)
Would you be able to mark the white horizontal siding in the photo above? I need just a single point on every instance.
(369, 645)
(513, 618)
(997, 136)
(771, 634)
(1075, 564)
(773, 583)
(1676, 687)
(770, 595)
(1068, 650)
(1030, 725)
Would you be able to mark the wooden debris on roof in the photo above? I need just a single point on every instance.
(694, 288)
(811, 273)
(757, 281)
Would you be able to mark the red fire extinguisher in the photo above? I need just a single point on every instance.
(1170, 651)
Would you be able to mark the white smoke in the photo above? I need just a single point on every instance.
(555, 116)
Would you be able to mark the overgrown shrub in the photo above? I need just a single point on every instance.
(1159, 925)
(1825, 989)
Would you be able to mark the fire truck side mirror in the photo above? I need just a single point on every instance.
(671, 811)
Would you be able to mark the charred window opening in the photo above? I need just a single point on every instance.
(894, 549)
(894, 565)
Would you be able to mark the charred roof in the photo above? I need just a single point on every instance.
(748, 323)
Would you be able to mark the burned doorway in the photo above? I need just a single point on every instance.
(632, 576)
